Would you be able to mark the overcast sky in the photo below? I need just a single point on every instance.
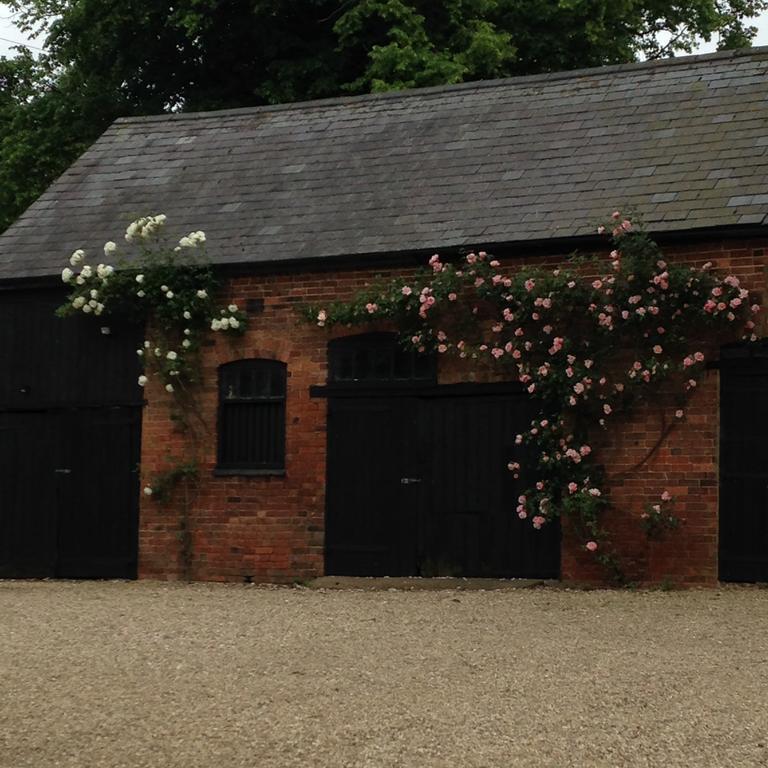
(9, 34)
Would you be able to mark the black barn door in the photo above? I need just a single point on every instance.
(744, 464)
(371, 522)
(69, 490)
(70, 425)
(469, 524)
(419, 486)
(28, 451)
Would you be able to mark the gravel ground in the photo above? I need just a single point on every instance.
(146, 674)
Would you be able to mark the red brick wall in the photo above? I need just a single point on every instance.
(271, 528)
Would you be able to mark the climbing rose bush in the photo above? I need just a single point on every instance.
(166, 286)
(588, 341)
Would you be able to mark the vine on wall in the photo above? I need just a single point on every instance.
(169, 289)
(589, 341)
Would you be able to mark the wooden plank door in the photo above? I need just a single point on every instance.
(69, 493)
(743, 545)
(371, 513)
(28, 524)
(97, 494)
(467, 514)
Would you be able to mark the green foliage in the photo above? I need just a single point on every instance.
(589, 341)
(164, 483)
(110, 58)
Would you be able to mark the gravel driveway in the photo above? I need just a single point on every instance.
(147, 674)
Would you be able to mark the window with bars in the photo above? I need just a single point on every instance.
(252, 417)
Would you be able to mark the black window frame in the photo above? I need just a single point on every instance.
(353, 362)
(230, 377)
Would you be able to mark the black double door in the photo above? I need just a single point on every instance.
(68, 484)
(744, 464)
(420, 486)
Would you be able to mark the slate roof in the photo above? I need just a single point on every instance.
(683, 142)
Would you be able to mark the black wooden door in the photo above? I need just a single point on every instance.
(744, 466)
(69, 487)
(70, 411)
(419, 486)
(97, 493)
(371, 519)
(27, 495)
(468, 519)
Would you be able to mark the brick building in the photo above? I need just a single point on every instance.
(338, 452)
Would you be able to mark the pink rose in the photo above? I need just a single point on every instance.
(591, 546)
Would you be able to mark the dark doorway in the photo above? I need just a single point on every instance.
(744, 463)
(418, 485)
(70, 427)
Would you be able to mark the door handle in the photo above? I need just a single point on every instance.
(409, 480)
(62, 471)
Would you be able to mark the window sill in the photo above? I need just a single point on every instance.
(249, 473)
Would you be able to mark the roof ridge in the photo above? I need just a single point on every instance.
(756, 52)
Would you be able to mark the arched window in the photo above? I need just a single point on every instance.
(251, 417)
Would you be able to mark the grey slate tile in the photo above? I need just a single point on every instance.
(681, 142)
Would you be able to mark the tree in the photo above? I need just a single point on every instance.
(107, 58)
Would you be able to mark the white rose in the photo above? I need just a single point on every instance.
(185, 242)
(86, 271)
(158, 352)
(147, 490)
(80, 280)
(232, 307)
(147, 344)
(67, 274)
(108, 270)
(109, 248)
(78, 302)
(187, 314)
(234, 322)
(106, 330)
(197, 237)
(139, 278)
(202, 294)
(99, 309)
(163, 288)
(141, 294)
(76, 257)
(186, 343)
(169, 295)
(169, 387)
(94, 293)
(161, 218)
(215, 324)
(224, 323)
(140, 352)
(187, 332)
(171, 355)
(93, 303)
(142, 381)
(87, 308)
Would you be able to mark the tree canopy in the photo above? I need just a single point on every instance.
(108, 58)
